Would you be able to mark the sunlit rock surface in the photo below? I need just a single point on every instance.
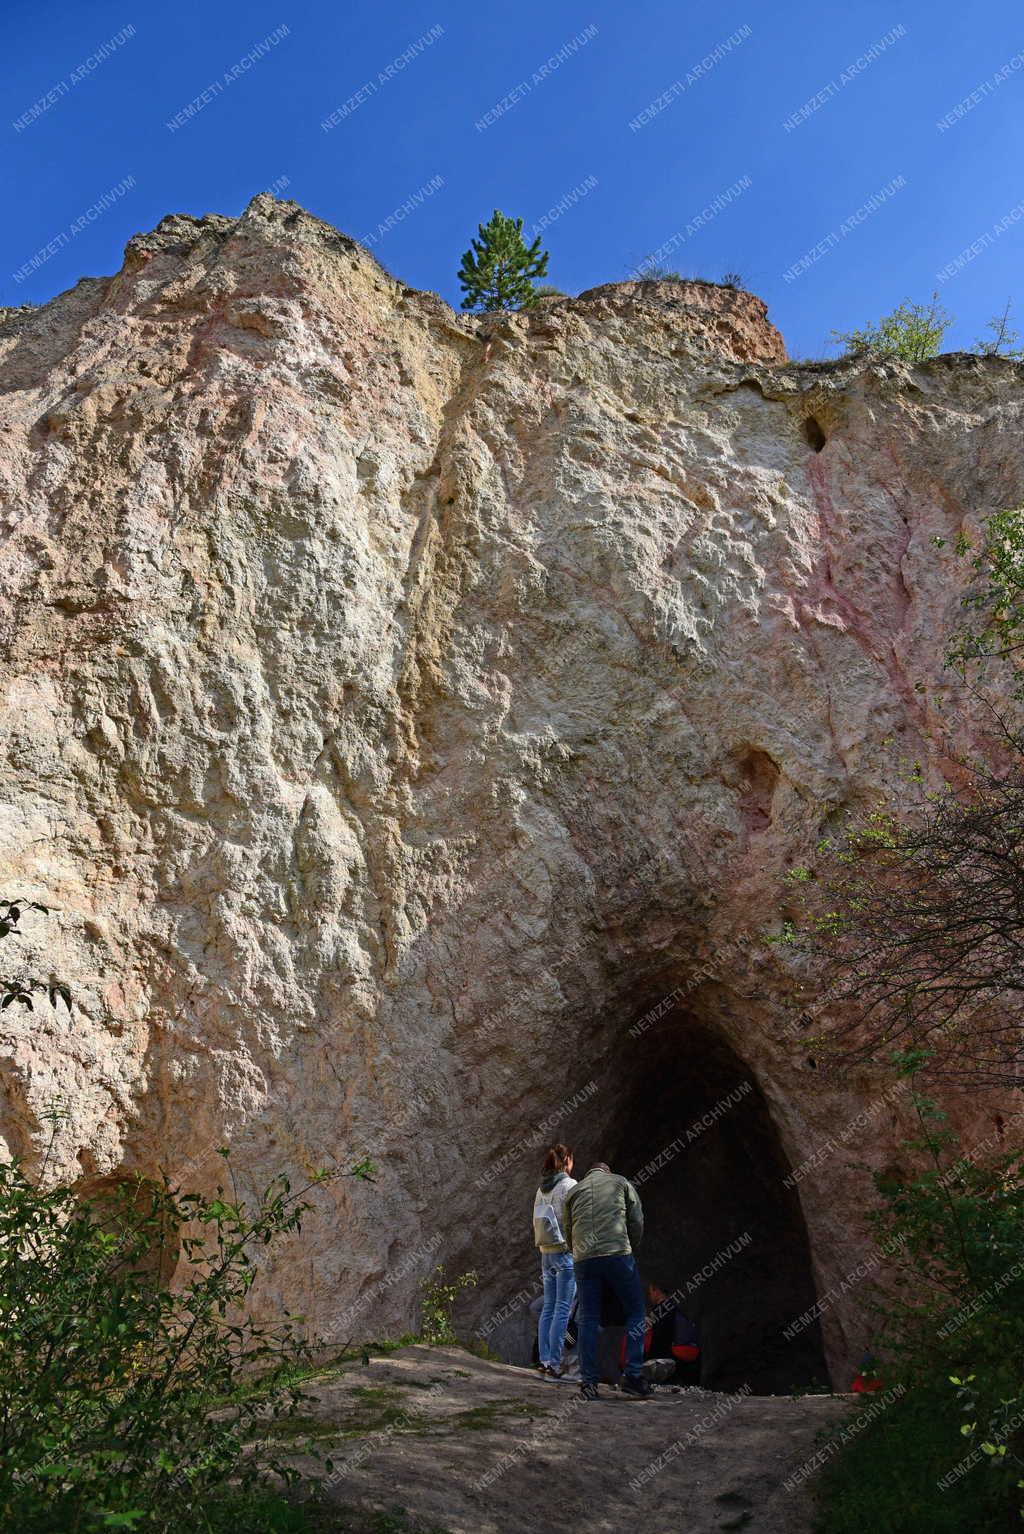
(398, 706)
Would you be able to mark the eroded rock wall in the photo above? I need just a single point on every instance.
(398, 706)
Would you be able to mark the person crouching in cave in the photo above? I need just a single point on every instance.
(672, 1336)
(603, 1223)
(556, 1263)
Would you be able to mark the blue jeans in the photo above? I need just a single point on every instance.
(622, 1277)
(559, 1280)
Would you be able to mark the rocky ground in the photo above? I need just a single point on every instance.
(452, 1442)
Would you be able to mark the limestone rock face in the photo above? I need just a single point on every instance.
(400, 707)
(732, 323)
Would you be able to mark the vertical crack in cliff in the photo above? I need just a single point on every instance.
(439, 499)
(437, 558)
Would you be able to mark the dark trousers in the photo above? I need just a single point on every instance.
(619, 1274)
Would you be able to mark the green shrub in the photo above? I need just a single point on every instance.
(912, 331)
(437, 1307)
(886, 1476)
(995, 602)
(124, 1404)
(948, 1454)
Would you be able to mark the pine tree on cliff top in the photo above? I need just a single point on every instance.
(497, 271)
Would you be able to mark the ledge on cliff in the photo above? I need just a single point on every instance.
(725, 319)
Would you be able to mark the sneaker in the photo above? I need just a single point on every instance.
(589, 1392)
(637, 1387)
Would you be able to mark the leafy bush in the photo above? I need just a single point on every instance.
(948, 1454)
(124, 1405)
(995, 601)
(912, 331)
(437, 1306)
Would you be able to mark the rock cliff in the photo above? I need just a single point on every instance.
(410, 720)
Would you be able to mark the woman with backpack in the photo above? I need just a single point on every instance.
(556, 1265)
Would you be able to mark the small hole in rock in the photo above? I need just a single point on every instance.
(815, 436)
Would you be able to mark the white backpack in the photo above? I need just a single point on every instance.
(546, 1229)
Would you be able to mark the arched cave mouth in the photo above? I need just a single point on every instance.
(723, 1231)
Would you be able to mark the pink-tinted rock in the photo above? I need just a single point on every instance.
(398, 706)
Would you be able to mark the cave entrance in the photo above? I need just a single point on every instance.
(723, 1231)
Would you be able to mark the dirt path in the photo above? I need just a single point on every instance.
(474, 1447)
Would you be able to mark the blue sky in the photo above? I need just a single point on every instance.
(862, 200)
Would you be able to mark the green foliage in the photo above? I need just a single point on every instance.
(437, 1306)
(124, 1405)
(497, 271)
(949, 1453)
(884, 1474)
(548, 290)
(996, 600)
(1004, 340)
(928, 909)
(912, 331)
(732, 280)
(121, 1402)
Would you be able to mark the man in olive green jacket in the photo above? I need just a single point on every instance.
(603, 1222)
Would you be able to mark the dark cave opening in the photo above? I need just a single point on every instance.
(724, 1234)
(814, 434)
